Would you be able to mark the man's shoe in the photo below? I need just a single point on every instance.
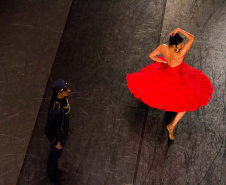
(62, 170)
(57, 176)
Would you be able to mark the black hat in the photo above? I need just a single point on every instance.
(59, 86)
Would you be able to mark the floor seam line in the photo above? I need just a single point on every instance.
(146, 111)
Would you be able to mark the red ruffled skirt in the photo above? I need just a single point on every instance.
(176, 89)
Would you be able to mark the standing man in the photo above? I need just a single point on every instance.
(57, 127)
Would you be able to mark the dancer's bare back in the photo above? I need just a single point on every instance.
(174, 55)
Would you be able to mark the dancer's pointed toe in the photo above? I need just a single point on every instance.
(170, 132)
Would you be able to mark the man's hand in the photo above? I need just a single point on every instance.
(58, 146)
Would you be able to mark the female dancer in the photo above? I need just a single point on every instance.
(169, 83)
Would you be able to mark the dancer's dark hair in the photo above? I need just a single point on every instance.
(175, 40)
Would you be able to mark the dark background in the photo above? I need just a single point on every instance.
(114, 138)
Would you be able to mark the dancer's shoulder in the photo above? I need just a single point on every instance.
(161, 46)
(164, 47)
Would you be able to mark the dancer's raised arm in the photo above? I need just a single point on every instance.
(187, 46)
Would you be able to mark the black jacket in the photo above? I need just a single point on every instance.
(57, 125)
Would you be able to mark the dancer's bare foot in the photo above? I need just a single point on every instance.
(170, 130)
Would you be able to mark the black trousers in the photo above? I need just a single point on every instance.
(52, 162)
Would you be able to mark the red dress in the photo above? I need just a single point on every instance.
(176, 89)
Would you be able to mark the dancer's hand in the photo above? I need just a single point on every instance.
(161, 61)
(174, 32)
(58, 146)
